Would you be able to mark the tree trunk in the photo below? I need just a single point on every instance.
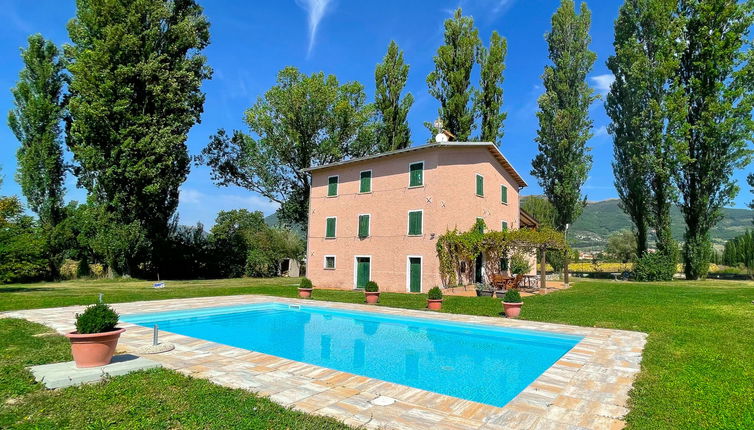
(542, 269)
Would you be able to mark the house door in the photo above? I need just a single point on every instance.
(478, 269)
(362, 271)
(415, 274)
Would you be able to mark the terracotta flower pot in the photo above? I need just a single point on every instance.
(305, 293)
(512, 310)
(95, 349)
(434, 304)
(372, 297)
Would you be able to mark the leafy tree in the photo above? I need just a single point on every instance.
(642, 106)
(489, 100)
(621, 246)
(135, 91)
(750, 181)
(302, 121)
(740, 251)
(541, 209)
(35, 121)
(390, 76)
(21, 247)
(450, 81)
(563, 161)
(715, 75)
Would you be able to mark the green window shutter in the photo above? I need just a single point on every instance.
(415, 223)
(504, 194)
(480, 224)
(503, 264)
(479, 185)
(363, 225)
(365, 186)
(505, 225)
(332, 186)
(416, 174)
(330, 227)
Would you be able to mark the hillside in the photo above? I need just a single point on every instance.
(600, 219)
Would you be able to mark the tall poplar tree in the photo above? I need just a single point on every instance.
(643, 106)
(136, 74)
(715, 75)
(36, 122)
(450, 81)
(392, 111)
(489, 100)
(563, 161)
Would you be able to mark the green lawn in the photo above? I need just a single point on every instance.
(697, 369)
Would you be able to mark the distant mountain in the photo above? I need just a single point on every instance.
(600, 219)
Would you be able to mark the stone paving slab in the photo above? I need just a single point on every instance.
(66, 374)
(586, 389)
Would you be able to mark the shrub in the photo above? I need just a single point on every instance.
(69, 269)
(434, 294)
(97, 270)
(305, 283)
(519, 265)
(512, 296)
(371, 287)
(654, 267)
(98, 318)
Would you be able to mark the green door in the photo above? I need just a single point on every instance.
(415, 275)
(362, 271)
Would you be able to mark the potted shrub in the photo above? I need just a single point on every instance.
(372, 292)
(512, 303)
(434, 299)
(305, 288)
(483, 290)
(93, 343)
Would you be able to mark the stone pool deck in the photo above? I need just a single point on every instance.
(586, 389)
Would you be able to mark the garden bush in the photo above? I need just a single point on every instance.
(97, 318)
(434, 294)
(305, 283)
(654, 267)
(371, 287)
(519, 265)
(512, 296)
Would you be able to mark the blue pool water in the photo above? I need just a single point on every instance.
(479, 363)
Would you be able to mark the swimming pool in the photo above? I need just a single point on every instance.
(484, 364)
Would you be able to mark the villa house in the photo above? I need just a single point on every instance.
(378, 217)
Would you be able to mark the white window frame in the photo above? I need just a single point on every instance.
(357, 226)
(371, 176)
(408, 273)
(334, 262)
(409, 174)
(356, 268)
(336, 227)
(337, 188)
(408, 223)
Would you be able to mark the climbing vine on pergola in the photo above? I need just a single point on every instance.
(457, 250)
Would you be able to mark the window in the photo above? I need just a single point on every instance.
(479, 185)
(503, 264)
(329, 262)
(505, 225)
(416, 174)
(363, 226)
(330, 230)
(365, 184)
(332, 186)
(504, 194)
(415, 223)
(480, 224)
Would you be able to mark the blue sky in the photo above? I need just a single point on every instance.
(252, 41)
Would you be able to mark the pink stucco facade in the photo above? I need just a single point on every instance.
(447, 198)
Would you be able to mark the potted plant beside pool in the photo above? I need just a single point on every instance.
(434, 299)
(305, 288)
(94, 341)
(512, 303)
(372, 292)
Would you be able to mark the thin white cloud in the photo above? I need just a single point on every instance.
(602, 83)
(195, 205)
(601, 131)
(501, 6)
(316, 10)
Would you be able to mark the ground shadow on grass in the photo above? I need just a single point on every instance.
(23, 289)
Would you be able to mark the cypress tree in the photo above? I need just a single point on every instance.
(392, 111)
(489, 100)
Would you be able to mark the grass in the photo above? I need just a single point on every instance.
(696, 371)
